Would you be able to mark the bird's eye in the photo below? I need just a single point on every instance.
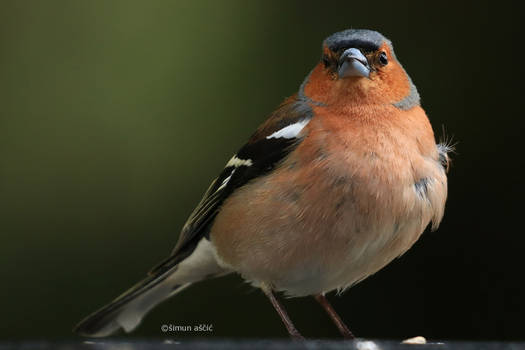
(383, 59)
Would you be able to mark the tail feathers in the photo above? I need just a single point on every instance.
(128, 309)
(131, 316)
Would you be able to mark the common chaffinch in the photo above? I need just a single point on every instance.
(342, 178)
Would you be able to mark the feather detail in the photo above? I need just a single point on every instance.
(268, 146)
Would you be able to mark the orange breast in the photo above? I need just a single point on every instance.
(340, 207)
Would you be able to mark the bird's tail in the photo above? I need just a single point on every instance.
(127, 310)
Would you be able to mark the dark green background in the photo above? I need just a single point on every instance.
(115, 115)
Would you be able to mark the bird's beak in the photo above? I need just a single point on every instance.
(353, 64)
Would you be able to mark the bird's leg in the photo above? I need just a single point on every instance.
(294, 333)
(321, 299)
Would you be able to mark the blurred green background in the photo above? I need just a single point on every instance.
(115, 115)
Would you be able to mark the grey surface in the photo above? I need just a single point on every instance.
(256, 344)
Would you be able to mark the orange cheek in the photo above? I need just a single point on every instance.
(390, 83)
(387, 85)
(399, 83)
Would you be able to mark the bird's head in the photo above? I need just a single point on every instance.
(359, 66)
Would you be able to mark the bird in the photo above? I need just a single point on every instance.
(341, 179)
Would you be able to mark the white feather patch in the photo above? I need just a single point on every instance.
(289, 132)
(225, 181)
(200, 263)
(237, 162)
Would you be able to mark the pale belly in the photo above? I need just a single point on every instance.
(303, 234)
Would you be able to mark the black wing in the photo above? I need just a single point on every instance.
(270, 144)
